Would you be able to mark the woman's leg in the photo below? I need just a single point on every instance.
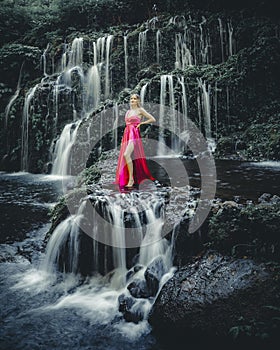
(127, 155)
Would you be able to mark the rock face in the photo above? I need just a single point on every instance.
(209, 296)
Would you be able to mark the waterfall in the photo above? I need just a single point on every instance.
(27, 109)
(206, 106)
(14, 97)
(182, 53)
(118, 242)
(158, 42)
(113, 209)
(125, 60)
(63, 63)
(166, 121)
(142, 43)
(93, 89)
(90, 87)
(150, 267)
(107, 66)
(161, 114)
(67, 232)
(143, 93)
(83, 87)
(102, 55)
(76, 53)
(55, 99)
(198, 100)
(230, 33)
(204, 44)
(44, 60)
(99, 49)
(221, 38)
(184, 105)
(62, 151)
(216, 109)
(228, 101)
(152, 244)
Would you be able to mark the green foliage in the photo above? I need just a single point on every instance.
(14, 21)
(89, 175)
(261, 330)
(101, 14)
(251, 230)
(12, 56)
(262, 141)
(4, 89)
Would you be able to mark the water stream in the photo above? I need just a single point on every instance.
(46, 309)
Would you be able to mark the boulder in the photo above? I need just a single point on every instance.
(210, 296)
(129, 308)
(153, 274)
(138, 289)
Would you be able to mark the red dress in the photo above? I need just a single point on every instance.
(140, 167)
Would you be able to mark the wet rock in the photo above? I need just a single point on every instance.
(153, 274)
(267, 198)
(133, 271)
(138, 289)
(210, 295)
(264, 198)
(148, 73)
(186, 245)
(125, 307)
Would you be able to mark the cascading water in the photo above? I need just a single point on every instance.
(142, 43)
(221, 29)
(204, 103)
(167, 121)
(183, 54)
(63, 63)
(204, 42)
(44, 60)
(122, 278)
(122, 220)
(107, 65)
(93, 88)
(25, 128)
(62, 150)
(158, 42)
(83, 86)
(206, 106)
(125, 60)
(230, 38)
(76, 53)
(143, 93)
(13, 98)
(184, 105)
(91, 92)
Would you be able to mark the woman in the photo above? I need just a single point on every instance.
(133, 171)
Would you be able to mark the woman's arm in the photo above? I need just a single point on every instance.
(150, 118)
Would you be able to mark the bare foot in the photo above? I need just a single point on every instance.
(130, 183)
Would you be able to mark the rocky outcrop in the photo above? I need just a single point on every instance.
(211, 296)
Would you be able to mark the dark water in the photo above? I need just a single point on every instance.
(25, 203)
(66, 314)
(246, 180)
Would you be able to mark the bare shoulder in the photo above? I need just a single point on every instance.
(146, 114)
(143, 111)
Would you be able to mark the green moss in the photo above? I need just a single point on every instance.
(89, 176)
(251, 230)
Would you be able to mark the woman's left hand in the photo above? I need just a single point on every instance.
(138, 126)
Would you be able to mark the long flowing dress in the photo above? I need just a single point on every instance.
(140, 167)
